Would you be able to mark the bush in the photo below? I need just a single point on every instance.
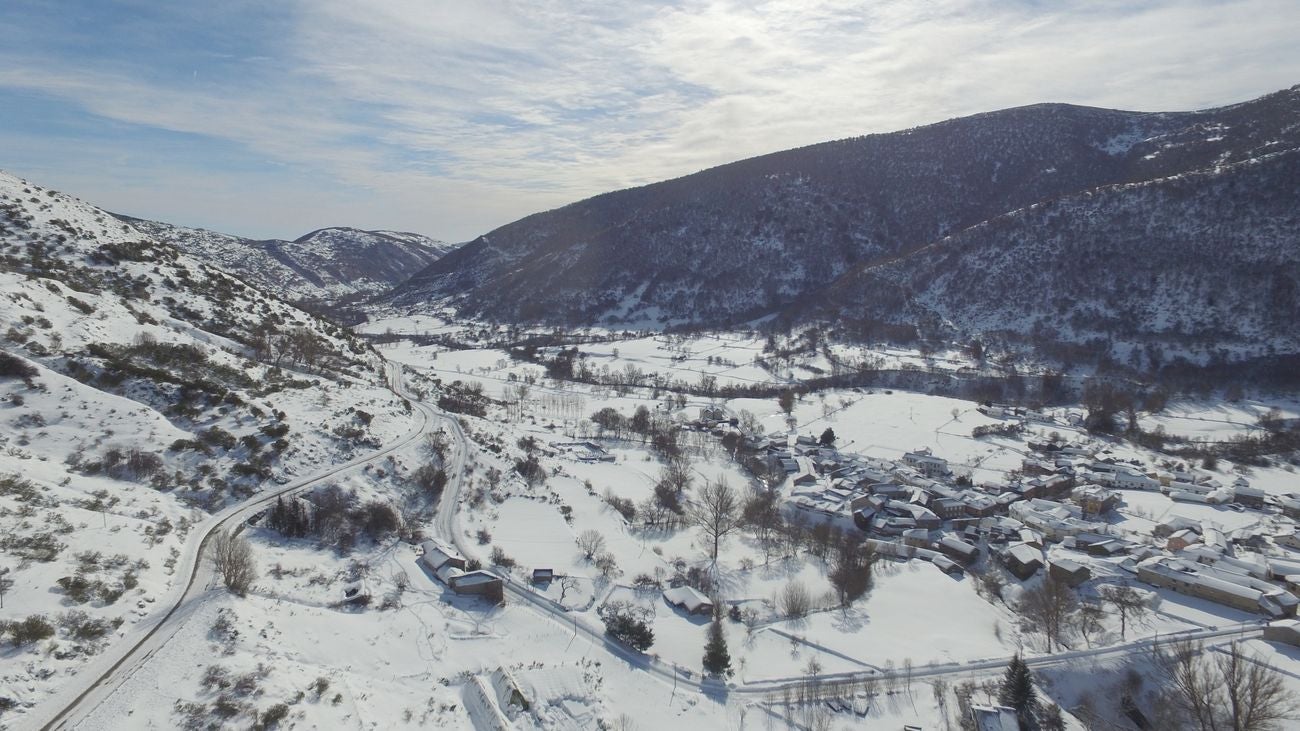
(81, 626)
(33, 629)
(379, 519)
(794, 601)
(15, 367)
(274, 715)
(218, 437)
(499, 558)
(627, 624)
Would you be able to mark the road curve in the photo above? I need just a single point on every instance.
(94, 684)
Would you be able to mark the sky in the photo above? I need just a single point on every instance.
(271, 119)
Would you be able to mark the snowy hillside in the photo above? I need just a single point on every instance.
(141, 390)
(328, 265)
(1201, 265)
(770, 234)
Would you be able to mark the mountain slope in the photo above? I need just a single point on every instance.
(142, 389)
(756, 236)
(328, 265)
(1203, 262)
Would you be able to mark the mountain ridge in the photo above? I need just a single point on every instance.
(763, 236)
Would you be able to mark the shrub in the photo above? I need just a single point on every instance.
(33, 629)
(81, 626)
(794, 601)
(499, 558)
(627, 624)
(274, 715)
(85, 307)
(15, 367)
(217, 437)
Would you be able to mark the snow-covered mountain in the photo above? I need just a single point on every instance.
(329, 265)
(141, 390)
(787, 232)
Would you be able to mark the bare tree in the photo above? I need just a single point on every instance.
(233, 556)
(1091, 619)
(591, 542)
(716, 512)
(1229, 690)
(6, 584)
(794, 601)
(1048, 609)
(567, 584)
(1129, 603)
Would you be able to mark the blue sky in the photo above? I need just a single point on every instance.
(450, 118)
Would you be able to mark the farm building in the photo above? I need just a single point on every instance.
(479, 583)
(438, 554)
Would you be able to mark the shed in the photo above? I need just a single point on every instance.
(541, 576)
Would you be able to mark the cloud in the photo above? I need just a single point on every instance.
(454, 117)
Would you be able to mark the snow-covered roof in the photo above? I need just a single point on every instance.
(687, 598)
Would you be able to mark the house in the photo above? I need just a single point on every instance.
(689, 600)
(1178, 540)
(926, 463)
(1133, 480)
(1094, 499)
(1283, 630)
(1021, 560)
(1291, 506)
(917, 538)
(948, 508)
(946, 565)
(957, 549)
(1252, 497)
(995, 718)
(980, 506)
(713, 414)
(1072, 573)
(1240, 592)
(438, 554)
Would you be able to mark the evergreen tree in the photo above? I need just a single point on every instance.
(717, 661)
(1017, 691)
(828, 437)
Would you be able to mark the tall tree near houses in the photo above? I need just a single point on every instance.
(716, 512)
(1129, 603)
(1017, 690)
(717, 660)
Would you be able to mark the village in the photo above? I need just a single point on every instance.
(966, 509)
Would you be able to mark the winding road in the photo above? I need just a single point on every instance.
(70, 707)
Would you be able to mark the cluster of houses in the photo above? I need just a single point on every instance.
(915, 507)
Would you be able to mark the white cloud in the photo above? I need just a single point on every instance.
(459, 116)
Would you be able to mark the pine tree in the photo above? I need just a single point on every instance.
(1017, 690)
(717, 661)
(828, 437)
